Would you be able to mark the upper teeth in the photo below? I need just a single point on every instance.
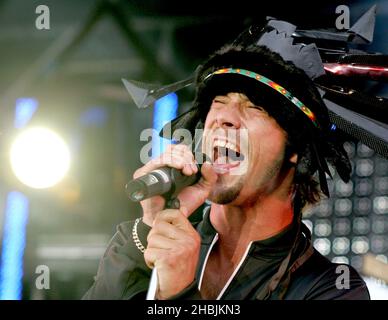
(223, 143)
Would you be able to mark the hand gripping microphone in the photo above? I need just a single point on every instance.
(162, 181)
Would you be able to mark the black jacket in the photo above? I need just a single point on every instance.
(123, 274)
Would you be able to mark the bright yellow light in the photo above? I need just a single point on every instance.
(39, 158)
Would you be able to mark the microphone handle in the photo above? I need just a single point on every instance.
(161, 181)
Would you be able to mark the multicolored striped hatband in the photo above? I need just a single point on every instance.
(271, 84)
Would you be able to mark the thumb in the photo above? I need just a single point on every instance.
(193, 196)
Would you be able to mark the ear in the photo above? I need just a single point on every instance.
(294, 158)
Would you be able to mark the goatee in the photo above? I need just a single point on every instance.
(223, 194)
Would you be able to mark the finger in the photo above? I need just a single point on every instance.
(169, 160)
(175, 156)
(209, 176)
(181, 148)
(187, 159)
(182, 151)
(166, 229)
(158, 241)
(190, 163)
(174, 217)
(152, 255)
(149, 205)
(201, 190)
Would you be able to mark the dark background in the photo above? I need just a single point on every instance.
(76, 67)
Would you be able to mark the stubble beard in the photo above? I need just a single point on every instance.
(223, 194)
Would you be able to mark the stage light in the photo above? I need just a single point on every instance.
(360, 245)
(341, 227)
(165, 110)
(361, 226)
(364, 167)
(322, 245)
(343, 189)
(343, 207)
(380, 205)
(364, 187)
(324, 208)
(39, 158)
(341, 245)
(362, 206)
(15, 221)
(380, 224)
(14, 241)
(24, 110)
(322, 228)
(94, 116)
(381, 166)
(340, 259)
(364, 151)
(381, 184)
(379, 243)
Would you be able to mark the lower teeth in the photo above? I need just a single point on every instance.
(225, 160)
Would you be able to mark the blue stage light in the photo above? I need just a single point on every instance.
(165, 110)
(14, 240)
(24, 110)
(15, 221)
(94, 116)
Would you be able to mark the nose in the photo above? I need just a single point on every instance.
(229, 117)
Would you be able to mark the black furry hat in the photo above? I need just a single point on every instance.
(314, 145)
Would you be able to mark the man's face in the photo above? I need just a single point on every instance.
(247, 148)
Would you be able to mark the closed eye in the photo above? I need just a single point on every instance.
(218, 101)
(256, 107)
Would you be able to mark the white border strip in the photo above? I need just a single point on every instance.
(215, 239)
(235, 271)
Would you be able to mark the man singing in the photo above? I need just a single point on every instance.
(251, 242)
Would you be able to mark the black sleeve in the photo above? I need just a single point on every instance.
(340, 282)
(122, 272)
(189, 293)
(320, 279)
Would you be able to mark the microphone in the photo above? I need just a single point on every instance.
(164, 180)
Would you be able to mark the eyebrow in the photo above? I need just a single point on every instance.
(244, 99)
(241, 95)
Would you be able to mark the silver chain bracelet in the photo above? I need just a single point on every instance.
(135, 236)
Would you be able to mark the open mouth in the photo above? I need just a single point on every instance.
(226, 155)
(230, 155)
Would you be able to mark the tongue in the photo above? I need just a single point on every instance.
(222, 160)
(223, 165)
